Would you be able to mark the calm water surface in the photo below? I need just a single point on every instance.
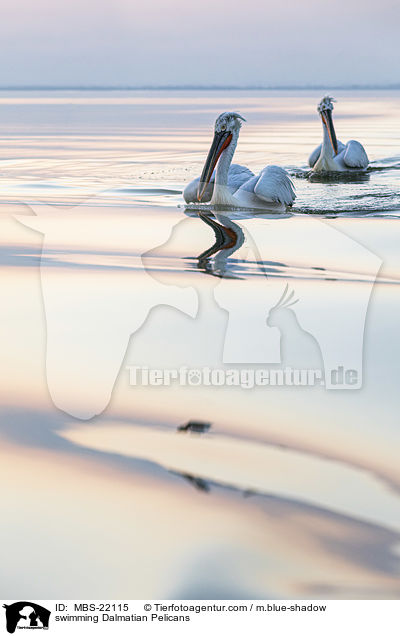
(294, 490)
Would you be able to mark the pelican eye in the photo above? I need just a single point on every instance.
(223, 127)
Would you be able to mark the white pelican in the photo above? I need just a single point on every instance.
(234, 185)
(332, 155)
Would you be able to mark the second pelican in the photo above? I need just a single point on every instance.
(332, 155)
(236, 186)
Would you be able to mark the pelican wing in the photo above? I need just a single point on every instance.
(274, 184)
(355, 155)
(313, 158)
(237, 176)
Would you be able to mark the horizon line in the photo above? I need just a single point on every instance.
(211, 87)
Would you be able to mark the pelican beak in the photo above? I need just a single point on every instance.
(328, 122)
(221, 141)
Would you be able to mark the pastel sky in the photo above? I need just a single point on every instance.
(207, 42)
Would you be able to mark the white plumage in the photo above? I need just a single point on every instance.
(234, 185)
(332, 155)
(272, 185)
(237, 176)
(351, 156)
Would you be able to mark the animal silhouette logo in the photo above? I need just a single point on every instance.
(308, 314)
(285, 301)
(26, 615)
(299, 349)
(92, 310)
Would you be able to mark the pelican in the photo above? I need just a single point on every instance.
(332, 155)
(234, 185)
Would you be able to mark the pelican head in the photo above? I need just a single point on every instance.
(325, 108)
(227, 127)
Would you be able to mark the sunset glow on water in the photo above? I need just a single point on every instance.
(292, 487)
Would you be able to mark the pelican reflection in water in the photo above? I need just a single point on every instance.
(229, 237)
(235, 186)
